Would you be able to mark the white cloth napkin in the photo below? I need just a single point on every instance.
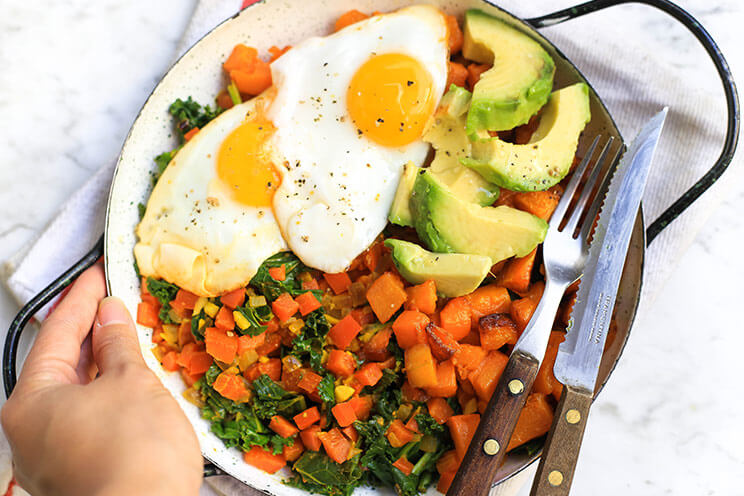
(633, 83)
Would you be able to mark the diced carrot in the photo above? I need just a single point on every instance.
(224, 319)
(307, 303)
(487, 375)
(362, 406)
(534, 420)
(310, 437)
(184, 333)
(284, 307)
(190, 133)
(231, 386)
(147, 314)
(292, 452)
(340, 363)
(462, 428)
(446, 381)
(254, 82)
(278, 273)
(448, 462)
(170, 361)
(369, 374)
(364, 315)
(351, 433)
(348, 18)
(200, 362)
(496, 330)
(445, 481)
(335, 444)
(439, 409)
(272, 342)
(344, 331)
(474, 73)
(422, 297)
(371, 256)
(187, 353)
(311, 284)
(487, 300)
(185, 299)
(189, 379)
(282, 426)
(241, 58)
(410, 328)
(339, 283)
(344, 413)
(545, 380)
(386, 295)
(411, 393)
(412, 425)
(518, 273)
(277, 52)
(272, 368)
(522, 311)
(309, 382)
(473, 338)
(454, 34)
(264, 460)
(224, 101)
(403, 465)
(222, 345)
(377, 347)
(539, 203)
(398, 435)
(233, 299)
(442, 344)
(420, 368)
(246, 342)
(456, 317)
(468, 359)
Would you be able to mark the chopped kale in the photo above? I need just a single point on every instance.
(326, 390)
(164, 292)
(308, 346)
(199, 323)
(141, 209)
(427, 425)
(189, 114)
(255, 317)
(316, 473)
(278, 443)
(387, 394)
(272, 399)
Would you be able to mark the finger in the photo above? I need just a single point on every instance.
(86, 368)
(115, 343)
(55, 354)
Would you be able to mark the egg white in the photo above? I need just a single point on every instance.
(193, 234)
(337, 185)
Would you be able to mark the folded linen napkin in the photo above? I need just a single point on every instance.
(633, 83)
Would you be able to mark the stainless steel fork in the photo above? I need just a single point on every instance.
(564, 254)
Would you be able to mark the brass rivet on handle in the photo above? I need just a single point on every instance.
(555, 478)
(573, 416)
(491, 446)
(516, 386)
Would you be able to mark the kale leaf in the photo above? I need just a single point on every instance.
(271, 399)
(255, 317)
(326, 390)
(427, 425)
(164, 292)
(319, 474)
(189, 114)
(308, 346)
(387, 394)
(270, 287)
(278, 443)
(198, 330)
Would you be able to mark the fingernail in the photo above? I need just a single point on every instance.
(111, 310)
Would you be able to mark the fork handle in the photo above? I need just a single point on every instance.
(490, 441)
(561, 451)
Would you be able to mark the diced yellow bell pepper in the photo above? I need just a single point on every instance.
(211, 309)
(343, 393)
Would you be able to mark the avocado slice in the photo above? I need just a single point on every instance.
(548, 156)
(454, 274)
(448, 137)
(447, 224)
(518, 84)
(399, 212)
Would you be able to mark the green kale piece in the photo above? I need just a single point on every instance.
(316, 473)
(270, 287)
(164, 292)
(271, 399)
(308, 346)
(189, 114)
(255, 316)
(278, 443)
(427, 425)
(326, 390)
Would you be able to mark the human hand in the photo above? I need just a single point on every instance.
(120, 433)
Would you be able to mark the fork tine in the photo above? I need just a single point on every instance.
(586, 192)
(591, 215)
(572, 185)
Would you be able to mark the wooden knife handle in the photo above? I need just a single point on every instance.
(488, 447)
(561, 450)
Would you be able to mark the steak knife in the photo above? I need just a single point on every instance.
(579, 356)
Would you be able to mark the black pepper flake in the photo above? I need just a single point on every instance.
(380, 120)
(409, 83)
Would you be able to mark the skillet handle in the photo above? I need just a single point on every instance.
(13, 338)
(729, 89)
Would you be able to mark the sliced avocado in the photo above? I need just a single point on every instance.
(448, 224)
(399, 212)
(517, 85)
(547, 157)
(454, 274)
(448, 137)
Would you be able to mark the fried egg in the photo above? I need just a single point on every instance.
(209, 224)
(311, 165)
(349, 112)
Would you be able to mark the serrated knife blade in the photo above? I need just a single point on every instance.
(580, 354)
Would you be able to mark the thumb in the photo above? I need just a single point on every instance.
(115, 343)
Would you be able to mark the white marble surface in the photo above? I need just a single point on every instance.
(669, 422)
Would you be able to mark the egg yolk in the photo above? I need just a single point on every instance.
(243, 165)
(390, 99)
